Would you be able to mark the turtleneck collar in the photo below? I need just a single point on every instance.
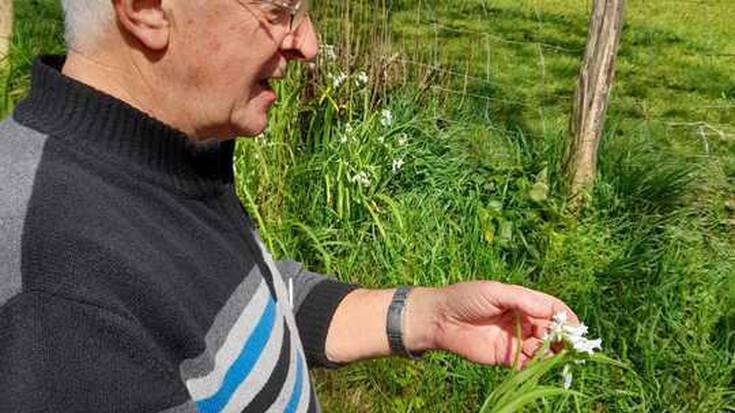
(94, 121)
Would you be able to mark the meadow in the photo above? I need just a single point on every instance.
(423, 148)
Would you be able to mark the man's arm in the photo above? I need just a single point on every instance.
(357, 331)
(315, 299)
(478, 320)
(483, 321)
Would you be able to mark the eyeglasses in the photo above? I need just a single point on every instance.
(297, 12)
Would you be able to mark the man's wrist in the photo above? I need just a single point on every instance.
(358, 328)
(423, 315)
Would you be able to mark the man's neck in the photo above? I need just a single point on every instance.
(126, 80)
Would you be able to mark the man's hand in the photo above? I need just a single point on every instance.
(482, 321)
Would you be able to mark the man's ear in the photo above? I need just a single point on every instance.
(146, 21)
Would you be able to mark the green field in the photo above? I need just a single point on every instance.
(479, 94)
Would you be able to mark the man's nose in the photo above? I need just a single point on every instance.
(302, 43)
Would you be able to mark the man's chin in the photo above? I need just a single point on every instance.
(252, 131)
(250, 126)
(232, 131)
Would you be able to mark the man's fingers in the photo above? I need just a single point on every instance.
(529, 351)
(528, 327)
(541, 327)
(523, 362)
(533, 303)
(531, 346)
(559, 305)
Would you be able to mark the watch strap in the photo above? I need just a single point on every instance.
(395, 325)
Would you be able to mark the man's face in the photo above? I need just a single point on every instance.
(223, 52)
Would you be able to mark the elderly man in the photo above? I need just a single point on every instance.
(131, 280)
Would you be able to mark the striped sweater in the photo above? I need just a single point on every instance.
(131, 279)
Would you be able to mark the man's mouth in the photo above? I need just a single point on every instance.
(266, 84)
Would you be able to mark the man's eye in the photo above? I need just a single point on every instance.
(277, 14)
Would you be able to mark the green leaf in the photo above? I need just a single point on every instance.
(505, 230)
(518, 383)
(526, 399)
(489, 234)
(495, 206)
(539, 192)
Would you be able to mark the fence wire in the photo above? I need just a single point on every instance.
(524, 56)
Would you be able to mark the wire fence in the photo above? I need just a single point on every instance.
(523, 57)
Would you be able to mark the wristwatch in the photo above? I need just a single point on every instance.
(395, 325)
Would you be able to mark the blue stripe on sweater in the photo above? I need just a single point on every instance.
(297, 386)
(244, 363)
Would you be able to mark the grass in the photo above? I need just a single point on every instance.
(479, 126)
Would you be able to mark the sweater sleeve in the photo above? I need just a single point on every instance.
(60, 355)
(315, 300)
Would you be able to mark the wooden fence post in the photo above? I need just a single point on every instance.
(591, 99)
(6, 28)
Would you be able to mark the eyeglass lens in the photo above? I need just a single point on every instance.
(298, 17)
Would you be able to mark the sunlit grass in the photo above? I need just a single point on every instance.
(649, 266)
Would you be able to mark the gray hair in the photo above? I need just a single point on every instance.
(84, 20)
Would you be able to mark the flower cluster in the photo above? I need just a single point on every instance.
(329, 52)
(560, 331)
(402, 139)
(349, 134)
(361, 79)
(362, 178)
(397, 165)
(338, 79)
(386, 118)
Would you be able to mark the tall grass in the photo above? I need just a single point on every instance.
(649, 266)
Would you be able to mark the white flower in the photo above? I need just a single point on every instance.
(559, 318)
(361, 178)
(573, 331)
(338, 80)
(386, 118)
(361, 79)
(402, 139)
(329, 52)
(397, 164)
(583, 345)
(574, 335)
(348, 134)
(566, 377)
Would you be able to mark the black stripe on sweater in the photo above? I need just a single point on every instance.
(272, 388)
